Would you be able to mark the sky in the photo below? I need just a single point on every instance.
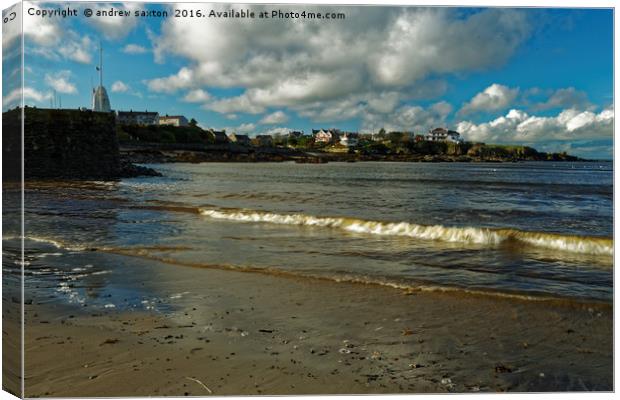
(533, 76)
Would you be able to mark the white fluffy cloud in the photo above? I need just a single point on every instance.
(242, 129)
(518, 126)
(119, 87)
(60, 82)
(277, 117)
(114, 28)
(183, 79)
(76, 48)
(391, 51)
(41, 31)
(122, 87)
(408, 118)
(280, 130)
(134, 49)
(493, 98)
(13, 98)
(197, 96)
(46, 37)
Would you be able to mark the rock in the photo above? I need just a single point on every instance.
(500, 368)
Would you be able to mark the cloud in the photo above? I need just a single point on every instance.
(408, 118)
(393, 51)
(134, 49)
(13, 99)
(60, 82)
(384, 102)
(242, 129)
(493, 98)
(183, 79)
(517, 126)
(119, 87)
(71, 47)
(334, 110)
(234, 104)
(277, 117)
(378, 102)
(11, 32)
(41, 31)
(564, 98)
(431, 41)
(197, 96)
(46, 37)
(280, 130)
(76, 48)
(114, 28)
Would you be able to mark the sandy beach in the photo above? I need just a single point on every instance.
(261, 334)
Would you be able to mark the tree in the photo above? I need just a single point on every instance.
(167, 137)
(193, 123)
(396, 138)
(305, 142)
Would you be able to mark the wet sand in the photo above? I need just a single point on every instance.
(261, 334)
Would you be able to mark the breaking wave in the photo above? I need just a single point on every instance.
(54, 242)
(466, 235)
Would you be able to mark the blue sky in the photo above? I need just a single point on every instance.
(540, 77)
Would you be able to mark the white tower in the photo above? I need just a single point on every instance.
(101, 101)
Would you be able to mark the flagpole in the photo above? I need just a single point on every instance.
(100, 64)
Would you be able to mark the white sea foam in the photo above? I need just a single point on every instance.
(56, 243)
(466, 235)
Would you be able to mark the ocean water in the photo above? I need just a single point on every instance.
(529, 231)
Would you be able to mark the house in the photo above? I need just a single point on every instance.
(174, 120)
(263, 140)
(326, 135)
(443, 135)
(349, 139)
(137, 118)
(219, 136)
(419, 138)
(243, 140)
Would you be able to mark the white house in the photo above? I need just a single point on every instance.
(174, 120)
(349, 139)
(443, 135)
(326, 135)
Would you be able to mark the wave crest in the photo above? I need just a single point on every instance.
(465, 235)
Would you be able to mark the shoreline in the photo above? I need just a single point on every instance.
(261, 334)
(237, 154)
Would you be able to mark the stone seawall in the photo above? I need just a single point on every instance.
(63, 144)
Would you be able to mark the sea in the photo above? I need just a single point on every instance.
(528, 231)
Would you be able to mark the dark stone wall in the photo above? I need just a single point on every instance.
(64, 143)
(11, 145)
